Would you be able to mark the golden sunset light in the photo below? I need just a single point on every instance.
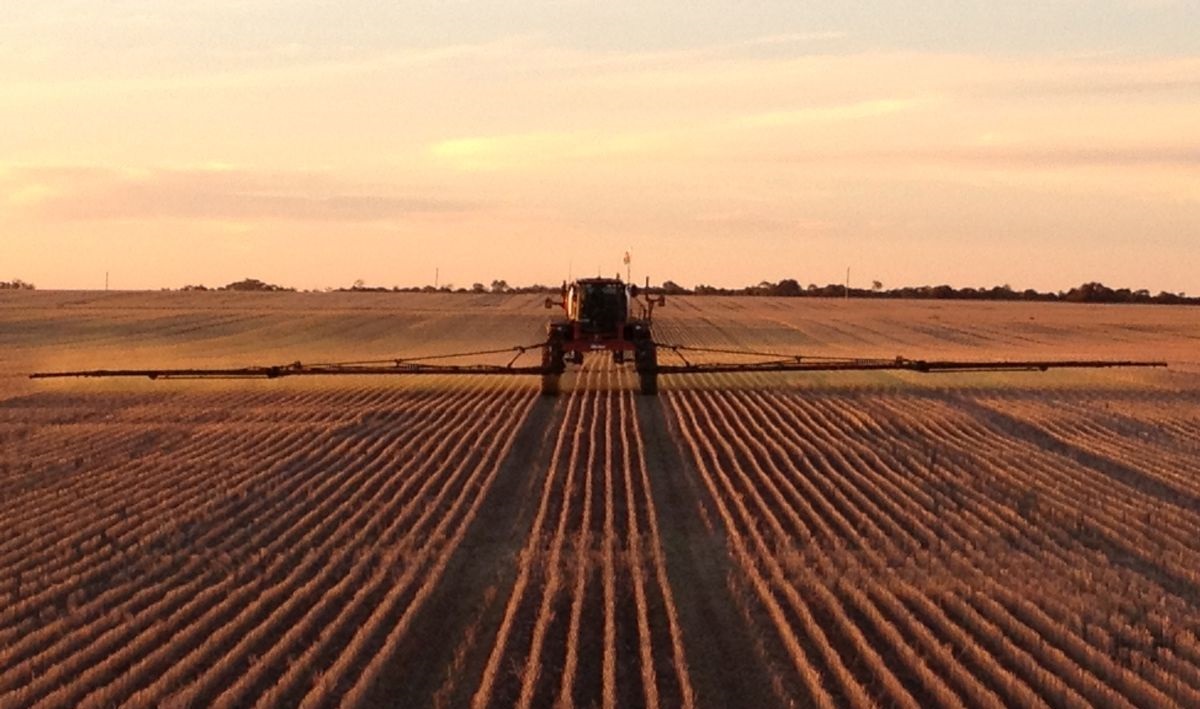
(317, 145)
(548, 353)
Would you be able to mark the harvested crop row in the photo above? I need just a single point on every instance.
(288, 528)
(1163, 450)
(1038, 547)
(1082, 531)
(591, 618)
(821, 500)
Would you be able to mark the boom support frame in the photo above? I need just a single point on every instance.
(552, 366)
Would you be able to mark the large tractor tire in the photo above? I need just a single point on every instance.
(646, 360)
(553, 367)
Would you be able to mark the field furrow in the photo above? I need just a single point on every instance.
(844, 539)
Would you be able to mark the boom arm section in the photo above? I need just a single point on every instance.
(410, 365)
(296, 369)
(800, 363)
(647, 366)
(901, 363)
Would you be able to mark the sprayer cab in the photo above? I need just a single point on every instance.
(598, 305)
(602, 315)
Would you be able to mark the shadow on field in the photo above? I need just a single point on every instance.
(1116, 471)
(721, 656)
(440, 660)
(1117, 550)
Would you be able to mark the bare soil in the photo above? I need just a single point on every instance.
(774, 539)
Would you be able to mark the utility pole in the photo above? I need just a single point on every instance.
(437, 272)
(847, 283)
(106, 280)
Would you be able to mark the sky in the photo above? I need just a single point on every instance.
(312, 143)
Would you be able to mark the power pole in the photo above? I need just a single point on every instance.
(437, 272)
(106, 280)
(847, 283)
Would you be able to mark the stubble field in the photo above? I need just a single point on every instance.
(836, 540)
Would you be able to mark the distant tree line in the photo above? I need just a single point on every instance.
(788, 287)
(1086, 293)
(16, 284)
(497, 286)
(246, 284)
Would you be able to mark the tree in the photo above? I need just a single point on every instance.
(500, 286)
(876, 286)
(1091, 292)
(253, 284)
(478, 288)
(787, 287)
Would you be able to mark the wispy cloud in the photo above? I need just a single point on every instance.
(530, 150)
(834, 113)
(289, 63)
(1064, 156)
(1011, 155)
(219, 194)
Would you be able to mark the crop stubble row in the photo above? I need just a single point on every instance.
(866, 547)
(914, 550)
(303, 547)
(278, 556)
(591, 618)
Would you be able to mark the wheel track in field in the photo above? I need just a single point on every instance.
(525, 578)
(590, 618)
(866, 534)
(448, 634)
(805, 643)
(372, 503)
(389, 499)
(392, 619)
(364, 493)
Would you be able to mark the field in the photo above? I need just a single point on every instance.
(867, 539)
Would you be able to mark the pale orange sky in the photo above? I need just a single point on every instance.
(312, 146)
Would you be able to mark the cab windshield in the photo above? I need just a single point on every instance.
(603, 306)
